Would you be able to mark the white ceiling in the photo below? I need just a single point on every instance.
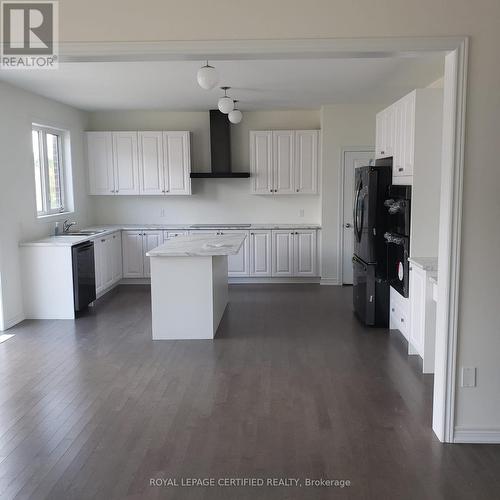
(271, 84)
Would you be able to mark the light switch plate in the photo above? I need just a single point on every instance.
(468, 376)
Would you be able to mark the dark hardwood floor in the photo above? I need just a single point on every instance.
(293, 387)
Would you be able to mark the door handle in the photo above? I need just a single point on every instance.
(347, 225)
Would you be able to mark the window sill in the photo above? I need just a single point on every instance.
(60, 216)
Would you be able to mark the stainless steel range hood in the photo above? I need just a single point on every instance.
(220, 149)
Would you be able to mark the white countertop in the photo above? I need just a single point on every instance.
(69, 241)
(199, 246)
(425, 263)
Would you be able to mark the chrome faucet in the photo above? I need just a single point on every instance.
(67, 224)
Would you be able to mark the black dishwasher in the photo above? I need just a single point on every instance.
(83, 275)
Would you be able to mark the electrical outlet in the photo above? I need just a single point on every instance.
(301, 212)
(468, 376)
(162, 212)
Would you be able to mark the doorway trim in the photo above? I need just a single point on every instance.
(340, 223)
(453, 147)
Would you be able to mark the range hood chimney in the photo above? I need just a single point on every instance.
(220, 149)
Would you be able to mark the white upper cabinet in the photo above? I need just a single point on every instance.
(100, 163)
(261, 161)
(146, 163)
(126, 163)
(395, 134)
(177, 159)
(151, 170)
(284, 161)
(306, 161)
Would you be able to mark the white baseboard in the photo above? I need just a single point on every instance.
(271, 281)
(233, 280)
(329, 281)
(9, 323)
(479, 435)
(135, 281)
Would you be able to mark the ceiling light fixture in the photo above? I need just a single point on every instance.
(226, 104)
(235, 116)
(207, 77)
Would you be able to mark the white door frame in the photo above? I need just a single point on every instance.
(340, 225)
(452, 163)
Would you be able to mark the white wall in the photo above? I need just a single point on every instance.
(17, 183)
(343, 126)
(213, 200)
(479, 341)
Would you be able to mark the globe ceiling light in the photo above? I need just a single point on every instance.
(226, 104)
(207, 77)
(235, 116)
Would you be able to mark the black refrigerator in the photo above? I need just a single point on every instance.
(370, 285)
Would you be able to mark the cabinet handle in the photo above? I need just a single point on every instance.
(270, 190)
(297, 190)
(382, 152)
(400, 169)
(402, 320)
(103, 241)
(392, 309)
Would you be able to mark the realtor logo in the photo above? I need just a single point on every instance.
(29, 35)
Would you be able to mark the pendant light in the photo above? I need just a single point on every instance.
(235, 116)
(207, 77)
(226, 104)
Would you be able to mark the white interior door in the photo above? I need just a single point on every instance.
(352, 159)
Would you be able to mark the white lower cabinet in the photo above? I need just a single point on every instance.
(399, 314)
(239, 264)
(305, 253)
(265, 253)
(294, 253)
(133, 257)
(151, 239)
(135, 246)
(422, 336)
(108, 261)
(260, 253)
(282, 264)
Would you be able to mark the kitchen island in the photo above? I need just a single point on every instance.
(189, 290)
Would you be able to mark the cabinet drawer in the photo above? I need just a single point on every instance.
(399, 313)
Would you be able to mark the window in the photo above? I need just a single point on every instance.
(48, 161)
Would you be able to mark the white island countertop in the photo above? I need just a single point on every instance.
(199, 246)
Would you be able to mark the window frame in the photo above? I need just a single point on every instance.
(42, 131)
